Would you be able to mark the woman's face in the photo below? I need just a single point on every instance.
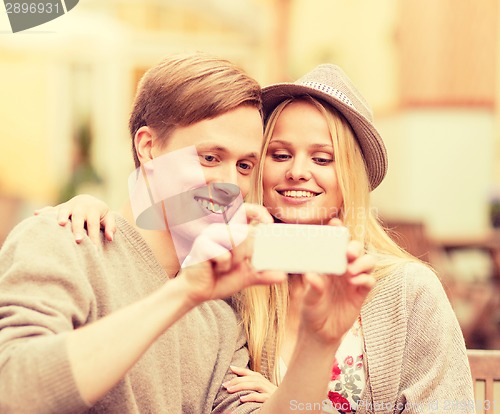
(299, 179)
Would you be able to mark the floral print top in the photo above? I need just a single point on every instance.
(348, 374)
(348, 377)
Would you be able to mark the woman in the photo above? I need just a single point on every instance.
(321, 157)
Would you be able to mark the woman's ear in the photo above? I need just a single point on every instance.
(143, 141)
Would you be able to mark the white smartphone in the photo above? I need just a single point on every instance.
(300, 248)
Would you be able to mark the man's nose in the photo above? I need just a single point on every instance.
(225, 174)
(225, 192)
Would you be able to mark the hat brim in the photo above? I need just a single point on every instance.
(370, 142)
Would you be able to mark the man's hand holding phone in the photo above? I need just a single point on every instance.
(223, 264)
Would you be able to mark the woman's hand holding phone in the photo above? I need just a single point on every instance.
(332, 304)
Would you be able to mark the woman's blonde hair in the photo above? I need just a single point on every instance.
(264, 308)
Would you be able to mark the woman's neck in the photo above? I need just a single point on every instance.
(296, 291)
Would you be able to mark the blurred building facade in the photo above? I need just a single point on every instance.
(430, 69)
(80, 75)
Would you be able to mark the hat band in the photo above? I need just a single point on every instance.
(330, 91)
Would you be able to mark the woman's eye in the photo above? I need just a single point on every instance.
(280, 157)
(322, 161)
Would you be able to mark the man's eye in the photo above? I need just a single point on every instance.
(207, 158)
(246, 167)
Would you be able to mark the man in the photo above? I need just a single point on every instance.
(123, 328)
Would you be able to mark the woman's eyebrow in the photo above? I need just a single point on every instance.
(289, 144)
(322, 146)
(280, 141)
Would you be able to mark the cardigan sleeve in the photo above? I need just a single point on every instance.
(43, 296)
(435, 375)
(230, 403)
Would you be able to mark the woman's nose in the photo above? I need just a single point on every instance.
(298, 170)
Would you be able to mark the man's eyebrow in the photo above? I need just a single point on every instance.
(252, 155)
(208, 146)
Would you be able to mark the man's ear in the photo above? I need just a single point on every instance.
(144, 140)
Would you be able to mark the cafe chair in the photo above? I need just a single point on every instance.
(411, 235)
(485, 369)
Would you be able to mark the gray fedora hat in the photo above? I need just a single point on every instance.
(330, 84)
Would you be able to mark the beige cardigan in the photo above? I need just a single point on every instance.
(415, 354)
(414, 348)
(49, 286)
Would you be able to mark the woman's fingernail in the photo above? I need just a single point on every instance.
(78, 237)
(224, 384)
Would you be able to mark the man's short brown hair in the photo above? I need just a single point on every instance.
(188, 88)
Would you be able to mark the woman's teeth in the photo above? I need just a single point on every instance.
(211, 206)
(298, 194)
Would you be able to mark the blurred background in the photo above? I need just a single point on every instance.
(430, 69)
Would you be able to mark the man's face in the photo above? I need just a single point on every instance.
(200, 176)
(228, 146)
